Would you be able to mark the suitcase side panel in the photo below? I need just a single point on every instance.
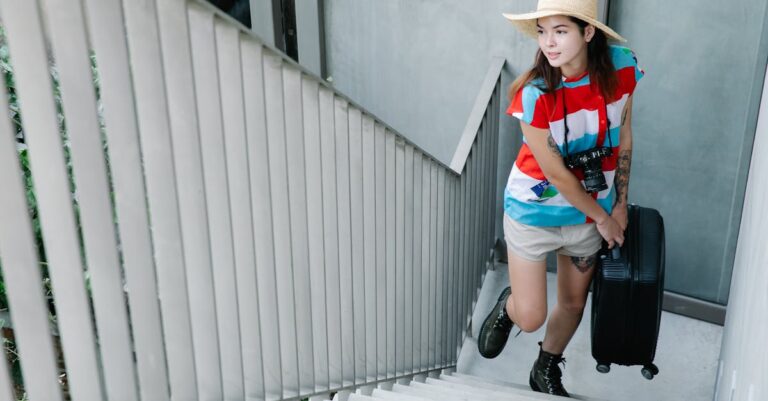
(627, 294)
(609, 320)
(649, 285)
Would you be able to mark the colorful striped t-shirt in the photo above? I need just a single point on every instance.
(529, 198)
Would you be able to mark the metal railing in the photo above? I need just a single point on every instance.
(217, 223)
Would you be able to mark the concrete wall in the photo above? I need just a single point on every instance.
(308, 35)
(694, 122)
(419, 64)
(743, 367)
(261, 20)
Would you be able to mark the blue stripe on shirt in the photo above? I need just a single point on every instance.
(542, 215)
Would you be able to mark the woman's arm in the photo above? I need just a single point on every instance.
(550, 160)
(621, 179)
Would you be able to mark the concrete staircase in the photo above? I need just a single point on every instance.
(452, 386)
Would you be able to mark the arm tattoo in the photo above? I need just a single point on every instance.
(621, 180)
(553, 146)
(584, 263)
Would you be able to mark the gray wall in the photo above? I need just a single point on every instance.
(419, 64)
(743, 365)
(261, 20)
(308, 35)
(694, 122)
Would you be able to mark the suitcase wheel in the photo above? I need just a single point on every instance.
(603, 367)
(649, 371)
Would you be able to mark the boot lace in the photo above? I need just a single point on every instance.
(552, 375)
(502, 321)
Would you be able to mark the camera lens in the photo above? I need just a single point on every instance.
(594, 180)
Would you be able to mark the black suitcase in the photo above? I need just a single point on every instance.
(628, 288)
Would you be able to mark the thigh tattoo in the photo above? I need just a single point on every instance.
(584, 263)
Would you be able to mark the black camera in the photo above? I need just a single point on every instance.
(591, 162)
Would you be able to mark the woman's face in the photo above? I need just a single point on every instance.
(562, 42)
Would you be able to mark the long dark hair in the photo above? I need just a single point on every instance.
(599, 64)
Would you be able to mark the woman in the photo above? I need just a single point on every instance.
(567, 191)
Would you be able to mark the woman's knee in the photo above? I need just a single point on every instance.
(573, 307)
(530, 320)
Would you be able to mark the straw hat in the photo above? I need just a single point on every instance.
(585, 10)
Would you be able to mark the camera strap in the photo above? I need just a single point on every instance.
(600, 134)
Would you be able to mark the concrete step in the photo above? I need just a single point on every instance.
(494, 384)
(360, 397)
(507, 393)
(472, 393)
(483, 382)
(428, 393)
(391, 395)
(451, 386)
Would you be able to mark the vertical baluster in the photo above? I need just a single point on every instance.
(389, 198)
(22, 276)
(261, 206)
(439, 306)
(345, 251)
(297, 198)
(273, 80)
(182, 208)
(457, 318)
(98, 232)
(231, 240)
(417, 258)
(161, 173)
(399, 256)
(381, 250)
(312, 150)
(108, 40)
(484, 145)
(498, 195)
(369, 228)
(493, 133)
(477, 211)
(490, 181)
(447, 269)
(331, 235)
(408, 327)
(471, 223)
(433, 234)
(426, 239)
(476, 206)
(201, 279)
(6, 388)
(187, 153)
(461, 253)
(481, 179)
(357, 240)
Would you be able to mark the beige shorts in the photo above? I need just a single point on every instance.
(533, 243)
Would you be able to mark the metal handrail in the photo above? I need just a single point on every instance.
(487, 90)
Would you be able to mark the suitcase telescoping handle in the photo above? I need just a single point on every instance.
(616, 252)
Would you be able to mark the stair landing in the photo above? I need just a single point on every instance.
(687, 355)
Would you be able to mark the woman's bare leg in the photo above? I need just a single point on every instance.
(527, 306)
(573, 278)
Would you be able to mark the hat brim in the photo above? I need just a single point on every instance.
(526, 23)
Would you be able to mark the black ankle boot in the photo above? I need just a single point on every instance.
(546, 375)
(495, 329)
